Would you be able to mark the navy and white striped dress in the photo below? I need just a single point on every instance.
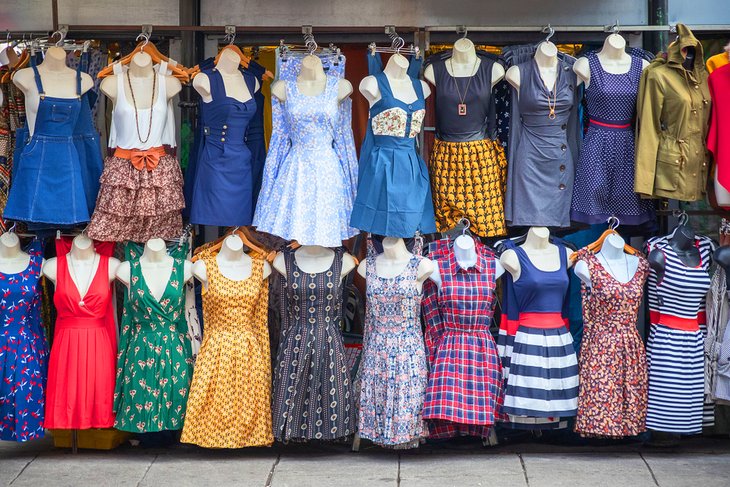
(675, 348)
(543, 368)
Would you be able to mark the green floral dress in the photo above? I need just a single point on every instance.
(155, 364)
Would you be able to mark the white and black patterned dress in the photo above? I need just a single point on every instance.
(313, 394)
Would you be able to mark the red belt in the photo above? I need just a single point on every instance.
(76, 322)
(543, 320)
(677, 323)
(611, 125)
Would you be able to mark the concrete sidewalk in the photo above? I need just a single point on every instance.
(699, 463)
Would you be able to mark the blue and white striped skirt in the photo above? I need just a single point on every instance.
(543, 374)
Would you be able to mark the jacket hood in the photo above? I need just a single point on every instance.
(676, 52)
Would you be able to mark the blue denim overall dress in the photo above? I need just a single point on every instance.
(47, 184)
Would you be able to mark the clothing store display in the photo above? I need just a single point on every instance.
(48, 176)
(604, 179)
(154, 365)
(230, 396)
(313, 396)
(542, 380)
(543, 150)
(673, 112)
(81, 369)
(464, 393)
(612, 362)
(675, 348)
(468, 168)
(393, 372)
(23, 352)
(141, 186)
(223, 185)
(311, 163)
(394, 194)
(717, 140)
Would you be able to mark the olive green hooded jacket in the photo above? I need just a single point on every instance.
(673, 111)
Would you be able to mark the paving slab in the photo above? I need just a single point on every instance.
(461, 470)
(210, 467)
(681, 469)
(330, 470)
(594, 469)
(61, 468)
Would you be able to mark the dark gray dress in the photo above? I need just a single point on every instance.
(543, 151)
(313, 395)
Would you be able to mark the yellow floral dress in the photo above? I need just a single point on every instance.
(230, 397)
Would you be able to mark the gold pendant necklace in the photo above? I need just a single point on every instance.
(461, 106)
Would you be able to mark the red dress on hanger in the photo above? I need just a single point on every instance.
(82, 366)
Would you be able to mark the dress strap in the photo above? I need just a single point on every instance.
(418, 87)
(217, 87)
(383, 86)
(78, 80)
(250, 80)
(37, 75)
(563, 256)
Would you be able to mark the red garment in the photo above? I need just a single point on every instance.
(718, 139)
(82, 366)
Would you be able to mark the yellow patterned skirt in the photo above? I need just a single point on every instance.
(468, 180)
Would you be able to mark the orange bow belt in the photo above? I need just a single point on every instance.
(142, 159)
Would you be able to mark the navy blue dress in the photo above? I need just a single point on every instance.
(222, 192)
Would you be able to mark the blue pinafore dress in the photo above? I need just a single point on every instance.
(223, 186)
(48, 182)
(393, 192)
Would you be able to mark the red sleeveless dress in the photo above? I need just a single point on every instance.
(82, 366)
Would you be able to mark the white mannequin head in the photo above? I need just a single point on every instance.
(399, 60)
(615, 241)
(156, 245)
(547, 49)
(463, 45)
(141, 60)
(233, 243)
(9, 239)
(82, 242)
(615, 41)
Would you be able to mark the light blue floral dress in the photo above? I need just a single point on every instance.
(310, 176)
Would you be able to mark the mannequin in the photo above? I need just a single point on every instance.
(83, 262)
(156, 268)
(722, 257)
(141, 71)
(228, 66)
(466, 256)
(541, 252)
(312, 81)
(721, 193)
(393, 261)
(12, 258)
(465, 63)
(59, 81)
(612, 257)
(546, 58)
(396, 70)
(233, 262)
(315, 259)
(683, 243)
(613, 58)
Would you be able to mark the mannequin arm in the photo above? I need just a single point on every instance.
(199, 270)
(511, 263)
(583, 71)
(344, 89)
(497, 74)
(429, 75)
(113, 268)
(50, 269)
(581, 270)
(513, 77)
(348, 265)
(278, 89)
(124, 273)
(173, 86)
(201, 83)
(369, 89)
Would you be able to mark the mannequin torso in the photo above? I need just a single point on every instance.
(393, 261)
(12, 258)
(156, 268)
(59, 81)
(614, 260)
(315, 259)
(464, 63)
(228, 66)
(311, 81)
(233, 262)
(141, 73)
(543, 254)
(466, 256)
(396, 70)
(683, 244)
(83, 262)
(613, 58)
(546, 58)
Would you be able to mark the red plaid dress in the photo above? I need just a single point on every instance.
(464, 391)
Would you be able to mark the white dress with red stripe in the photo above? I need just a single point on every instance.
(675, 348)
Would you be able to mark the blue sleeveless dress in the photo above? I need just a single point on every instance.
(223, 185)
(48, 177)
(393, 193)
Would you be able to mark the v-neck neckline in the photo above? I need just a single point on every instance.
(167, 286)
(607, 272)
(75, 284)
(543, 86)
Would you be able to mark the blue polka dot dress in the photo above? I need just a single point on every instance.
(604, 181)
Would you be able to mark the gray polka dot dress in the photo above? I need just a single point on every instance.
(313, 394)
(604, 180)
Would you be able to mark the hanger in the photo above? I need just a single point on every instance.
(269, 256)
(550, 31)
(397, 44)
(613, 224)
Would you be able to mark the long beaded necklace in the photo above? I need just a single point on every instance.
(461, 107)
(134, 104)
